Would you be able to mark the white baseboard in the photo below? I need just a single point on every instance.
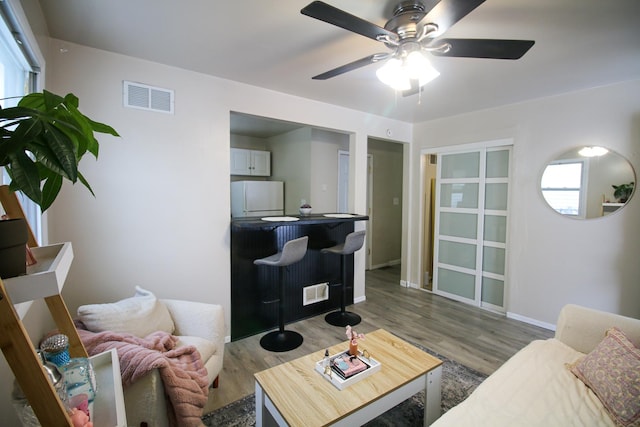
(359, 299)
(531, 321)
(386, 264)
(406, 284)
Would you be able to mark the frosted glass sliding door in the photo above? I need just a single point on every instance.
(472, 191)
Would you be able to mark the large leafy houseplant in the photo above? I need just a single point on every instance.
(42, 140)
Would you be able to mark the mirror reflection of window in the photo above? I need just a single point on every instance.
(584, 182)
(563, 187)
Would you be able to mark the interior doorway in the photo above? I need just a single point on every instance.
(429, 168)
(384, 201)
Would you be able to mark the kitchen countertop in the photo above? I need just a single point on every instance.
(257, 222)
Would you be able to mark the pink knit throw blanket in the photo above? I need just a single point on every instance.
(181, 369)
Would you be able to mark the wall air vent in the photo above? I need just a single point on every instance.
(145, 97)
(315, 293)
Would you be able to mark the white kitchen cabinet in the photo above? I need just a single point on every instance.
(250, 162)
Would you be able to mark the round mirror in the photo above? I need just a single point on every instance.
(588, 182)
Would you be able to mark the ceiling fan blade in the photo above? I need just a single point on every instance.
(485, 48)
(349, 67)
(448, 12)
(332, 15)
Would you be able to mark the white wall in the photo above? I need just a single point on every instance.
(248, 142)
(306, 159)
(324, 169)
(160, 218)
(291, 163)
(553, 260)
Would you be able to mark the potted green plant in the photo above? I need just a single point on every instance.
(42, 140)
(622, 192)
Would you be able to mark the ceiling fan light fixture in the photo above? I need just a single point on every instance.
(414, 30)
(393, 74)
(398, 73)
(414, 63)
(419, 68)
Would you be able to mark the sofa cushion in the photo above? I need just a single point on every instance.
(139, 315)
(612, 371)
(532, 389)
(205, 347)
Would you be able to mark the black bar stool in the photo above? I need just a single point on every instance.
(352, 243)
(292, 252)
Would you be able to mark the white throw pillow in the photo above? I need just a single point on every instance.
(139, 315)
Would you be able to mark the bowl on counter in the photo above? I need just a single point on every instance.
(305, 211)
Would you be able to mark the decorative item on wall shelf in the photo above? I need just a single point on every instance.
(305, 209)
(622, 192)
(44, 138)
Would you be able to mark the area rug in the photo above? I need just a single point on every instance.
(458, 381)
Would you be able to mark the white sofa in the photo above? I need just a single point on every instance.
(535, 386)
(194, 323)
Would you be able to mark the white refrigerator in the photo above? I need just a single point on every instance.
(257, 198)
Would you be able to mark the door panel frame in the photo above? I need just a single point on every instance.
(480, 243)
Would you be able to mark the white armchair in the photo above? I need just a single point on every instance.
(194, 323)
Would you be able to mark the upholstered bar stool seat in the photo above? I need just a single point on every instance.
(292, 252)
(352, 243)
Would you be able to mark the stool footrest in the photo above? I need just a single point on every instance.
(342, 318)
(339, 285)
(271, 301)
(280, 341)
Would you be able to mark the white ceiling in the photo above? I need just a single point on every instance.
(579, 44)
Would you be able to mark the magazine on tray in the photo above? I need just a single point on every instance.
(347, 366)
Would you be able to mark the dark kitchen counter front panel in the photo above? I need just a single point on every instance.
(254, 289)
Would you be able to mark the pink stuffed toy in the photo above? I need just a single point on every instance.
(79, 418)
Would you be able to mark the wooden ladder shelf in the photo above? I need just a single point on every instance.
(25, 363)
(18, 349)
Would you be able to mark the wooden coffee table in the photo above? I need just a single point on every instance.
(294, 394)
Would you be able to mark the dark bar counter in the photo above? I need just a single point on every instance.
(254, 289)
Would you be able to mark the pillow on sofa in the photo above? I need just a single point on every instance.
(612, 371)
(139, 315)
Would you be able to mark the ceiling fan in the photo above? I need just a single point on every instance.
(413, 30)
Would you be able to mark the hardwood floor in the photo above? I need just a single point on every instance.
(474, 337)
